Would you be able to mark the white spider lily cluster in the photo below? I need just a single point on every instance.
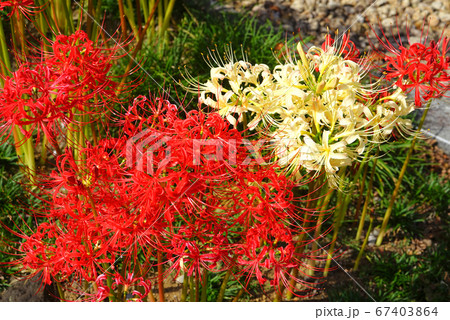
(316, 111)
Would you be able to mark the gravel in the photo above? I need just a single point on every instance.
(315, 17)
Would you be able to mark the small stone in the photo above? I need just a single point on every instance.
(180, 279)
(288, 28)
(247, 3)
(447, 34)
(381, 3)
(314, 25)
(414, 39)
(332, 5)
(444, 16)
(298, 5)
(383, 11)
(349, 2)
(418, 15)
(433, 20)
(409, 11)
(388, 22)
(322, 8)
(437, 5)
(392, 12)
(406, 3)
(258, 7)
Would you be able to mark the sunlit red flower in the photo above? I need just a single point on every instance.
(346, 48)
(25, 6)
(198, 214)
(422, 66)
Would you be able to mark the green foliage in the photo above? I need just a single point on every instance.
(399, 277)
(189, 50)
(232, 290)
(423, 203)
(16, 207)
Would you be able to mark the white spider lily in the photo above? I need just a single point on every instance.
(321, 116)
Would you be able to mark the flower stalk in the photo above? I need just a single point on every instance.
(398, 183)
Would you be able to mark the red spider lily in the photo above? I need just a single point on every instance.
(25, 6)
(346, 48)
(130, 282)
(127, 285)
(199, 214)
(421, 66)
(84, 68)
(103, 291)
(30, 99)
(70, 84)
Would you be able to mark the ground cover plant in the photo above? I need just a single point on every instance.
(239, 174)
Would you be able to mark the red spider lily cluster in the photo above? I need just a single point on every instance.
(421, 66)
(201, 214)
(69, 84)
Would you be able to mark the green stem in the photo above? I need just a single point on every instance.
(167, 16)
(68, 17)
(89, 22)
(204, 285)
(278, 294)
(160, 277)
(60, 291)
(224, 286)
(361, 191)
(29, 158)
(129, 12)
(312, 189)
(197, 288)
(367, 200)
(122, 19)
(191, 288)
(185, 288)
(6, 65)
(44, 150)
(318, 230)
(366, 239)
(236, 299)
(343, 202)
(138, 47)
(387, 215)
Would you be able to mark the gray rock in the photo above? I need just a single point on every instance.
(29, 290)
(436, 124)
